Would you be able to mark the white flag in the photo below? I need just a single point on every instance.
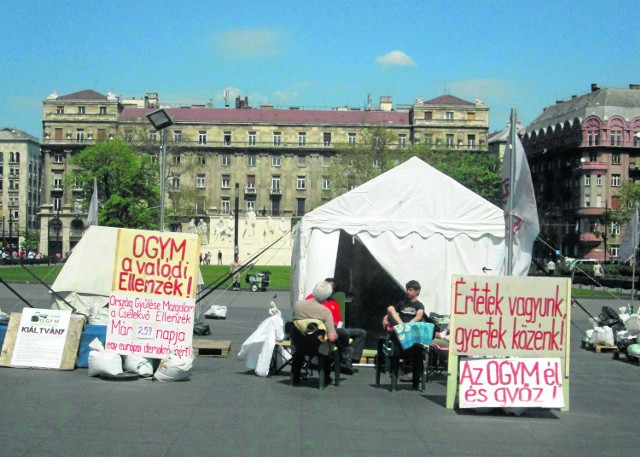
(525, 212)
(629, 241)
(92, 217)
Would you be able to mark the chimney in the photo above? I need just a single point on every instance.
(594, 87)
(634, 86)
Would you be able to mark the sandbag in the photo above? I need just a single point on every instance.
(632, 325)
(587, 335)
(102, 361)
(634, 349)
(174, 368)
(140, 365)
(602, 335)
(216, 312)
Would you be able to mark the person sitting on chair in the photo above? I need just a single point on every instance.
(408, 310)
(350, 340)
(312, 308)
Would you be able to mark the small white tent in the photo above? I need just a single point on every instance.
(415, 221)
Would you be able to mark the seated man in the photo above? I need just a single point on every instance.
(312, 308)
(408, 310)
(350, 352)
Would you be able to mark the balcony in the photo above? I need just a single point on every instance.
(593, 166)
(250, 190)
(590, 211)
(590, 237)
(275, 191)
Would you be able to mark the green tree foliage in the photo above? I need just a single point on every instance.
(127, 184)
(31, 241)
(629, 198)
(377, 151)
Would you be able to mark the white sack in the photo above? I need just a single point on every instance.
(602, 335)
(140, 365)
(587, 335)
(633, 325)
(174, 368)
(216, 312)
(258, 348)
(102, 361)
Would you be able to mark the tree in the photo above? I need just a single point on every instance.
(127, 184)
(31, 241)
(629, 199)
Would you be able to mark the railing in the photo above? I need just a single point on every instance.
(275, 191)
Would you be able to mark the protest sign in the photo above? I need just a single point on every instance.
(40, 338)
(511, 383)
(152, 306)
(510, 316)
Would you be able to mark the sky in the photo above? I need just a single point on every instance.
(523, 55)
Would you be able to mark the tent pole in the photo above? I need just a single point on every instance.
(512, 174)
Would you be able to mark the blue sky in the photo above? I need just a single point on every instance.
(511, 54)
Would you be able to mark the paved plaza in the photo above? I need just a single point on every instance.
(225, 410)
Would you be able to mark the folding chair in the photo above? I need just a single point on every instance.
(282, 352)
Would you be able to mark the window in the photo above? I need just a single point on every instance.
(57, 158)
(471, 141)
(103, 110)
(251, 205)
(226, 182)
(599, 180)
(252, 138)
(226, 138)
(200, 181)
(128, 136)
(616, 138)
(593, 157)
(587, 180)
(587, 201)
(251, 182)
(177, 136)
(615, 159)
(302, 160)
(80, 135)
(449, 115)
(226, 160)
(57, 204)
(176, 159)
(301, 183)
(275, 207)
(428, 115)
(351, 138)
(57, 181)
(201, 160)
(615, 250)
(276, 161)
(153, 136)
(80, 109)
(593, 138)
(59, 109)
(300, 206)
(326, 183)
(428, 138)
(377, 163)
(225, 206)
(326, 138)
(275, 184)
(636, 139)
(615, 229)
(175, 181)
(302, 138)
(615, 180)
(202, 137)
(471, 116)
(402, 140)
(450, 140)
(251, 160)
(277, 138)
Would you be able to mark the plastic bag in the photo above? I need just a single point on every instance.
(174, 368)
(102, 361)
(632, 325)
(216, 312)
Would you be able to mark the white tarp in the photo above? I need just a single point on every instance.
(416, 222)
(86, 278)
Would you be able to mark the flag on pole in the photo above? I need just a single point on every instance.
(525, 212)
(629, 241)
(92, 217)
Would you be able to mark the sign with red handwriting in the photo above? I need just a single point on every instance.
(152, 306)
(510, 316)
(511, 383)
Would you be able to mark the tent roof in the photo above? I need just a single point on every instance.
(413, 197)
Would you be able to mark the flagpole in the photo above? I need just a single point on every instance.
(634, 243)
(512, 176)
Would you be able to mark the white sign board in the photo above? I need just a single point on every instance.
(41, 338)
(533, 383)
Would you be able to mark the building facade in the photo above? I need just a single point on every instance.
(278, 158)
(20, 181)
(580, 151)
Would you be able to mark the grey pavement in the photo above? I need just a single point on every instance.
(225, 410)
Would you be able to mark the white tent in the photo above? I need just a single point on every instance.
(415, 221)
(86, 278)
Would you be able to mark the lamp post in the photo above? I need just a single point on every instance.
(161, 120)
(235, 230)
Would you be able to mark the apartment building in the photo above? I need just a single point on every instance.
(20, 178)
(279, 158)
(580, 151)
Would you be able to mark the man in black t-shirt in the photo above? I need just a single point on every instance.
(408, 310)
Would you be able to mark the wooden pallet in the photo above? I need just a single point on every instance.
(368, 357)
(211, 348)
(598, 347)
